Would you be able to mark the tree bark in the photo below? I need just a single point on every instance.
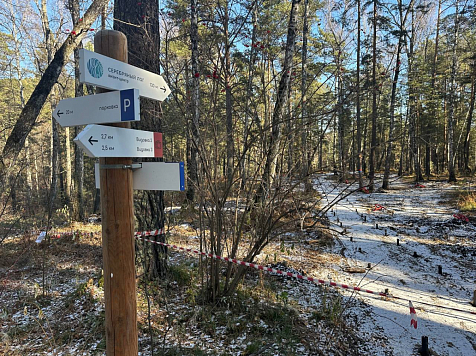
(340, 116)
(357, 100)
(228, 99)
(280, 104)
(403, 19)
(412, 105)
(469, 119)
(305, 156)
(78, 178)
(143, 48)
(434, 100)
(194, 123)
(373, 142)
(249, 91)
(452, 99)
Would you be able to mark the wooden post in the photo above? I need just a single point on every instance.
(117, 231)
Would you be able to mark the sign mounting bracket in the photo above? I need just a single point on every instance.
(132, 166)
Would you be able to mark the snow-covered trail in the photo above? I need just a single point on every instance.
(429, 237)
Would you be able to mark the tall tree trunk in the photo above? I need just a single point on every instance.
(55, 143)
(366, 136)
(400, 44)
(469, 119)
(194, 123)
(283, 89)
(78, 200)
(434, 100)
(340, 116)
(249, 91)
(402, 144)
(357, 102)
(412, 105)
(388, 157)
(228, 99)
(143, 48)
(305, 156)
(290, 135)
(373, 142)
(29, 177)
(452, 98)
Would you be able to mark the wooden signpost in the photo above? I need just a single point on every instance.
(117, 217)
(115, 145)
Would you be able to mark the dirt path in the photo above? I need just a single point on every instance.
(429, 237)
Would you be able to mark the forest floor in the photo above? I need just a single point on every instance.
(269, 315)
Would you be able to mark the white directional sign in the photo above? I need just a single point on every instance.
(155, 176)
(108, 141)
(97, 69)
(116, 106)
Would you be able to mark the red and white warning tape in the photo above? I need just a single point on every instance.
(259, 267)
(150, 233)
(138, 236)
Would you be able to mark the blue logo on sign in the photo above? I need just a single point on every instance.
(95, 68)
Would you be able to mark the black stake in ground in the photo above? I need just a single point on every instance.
(423, 350)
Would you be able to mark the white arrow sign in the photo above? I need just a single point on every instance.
(155, 176)
(108, 141)
(116, 106)
(97, 69)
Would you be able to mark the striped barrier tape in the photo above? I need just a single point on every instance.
(150, 233)
(138, 235)
(262, 268)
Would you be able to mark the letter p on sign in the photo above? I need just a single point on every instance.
(127, 103)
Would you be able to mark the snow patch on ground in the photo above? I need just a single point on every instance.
(428, 237)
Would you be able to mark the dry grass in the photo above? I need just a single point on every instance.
(467, 202)
(70, 317)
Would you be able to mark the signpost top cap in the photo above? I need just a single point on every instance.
(111, 43)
